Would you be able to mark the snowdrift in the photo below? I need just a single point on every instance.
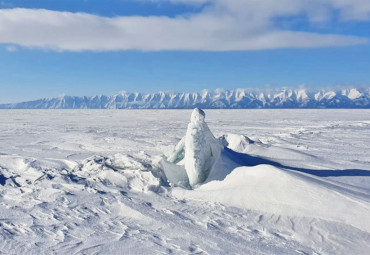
(218, 171)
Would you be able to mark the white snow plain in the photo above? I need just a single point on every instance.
(91, 182)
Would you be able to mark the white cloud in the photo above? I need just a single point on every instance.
(222, 25)
(354, 10)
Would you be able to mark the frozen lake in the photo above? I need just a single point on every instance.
(342, 135)
(61, 193)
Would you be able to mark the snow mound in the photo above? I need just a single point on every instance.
(237, 142)
(195, 155)
(201, 158)
(238, 171)
(278, 191)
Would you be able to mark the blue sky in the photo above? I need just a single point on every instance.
(74, 47)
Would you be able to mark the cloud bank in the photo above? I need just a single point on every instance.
(222, 25)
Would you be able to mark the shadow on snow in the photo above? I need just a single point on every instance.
(248, 160)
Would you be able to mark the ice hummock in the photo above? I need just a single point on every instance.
(202, 149)
(195, 155)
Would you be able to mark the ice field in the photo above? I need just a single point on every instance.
(99, 182)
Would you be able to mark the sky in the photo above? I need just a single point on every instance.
(89, 47)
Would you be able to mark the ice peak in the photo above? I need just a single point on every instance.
(201, 149)
(194, 157)
(197, 116)
(354, 94)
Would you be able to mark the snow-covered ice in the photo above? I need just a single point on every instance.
(163, 181)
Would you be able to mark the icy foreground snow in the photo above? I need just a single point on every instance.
(92, 182)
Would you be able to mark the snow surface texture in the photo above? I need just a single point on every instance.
(91, 182)
(218, 99)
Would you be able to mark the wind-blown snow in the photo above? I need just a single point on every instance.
(94, 182)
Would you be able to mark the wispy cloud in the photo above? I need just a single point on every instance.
(223, 25)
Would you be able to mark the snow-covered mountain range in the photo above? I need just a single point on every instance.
(228, 99)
